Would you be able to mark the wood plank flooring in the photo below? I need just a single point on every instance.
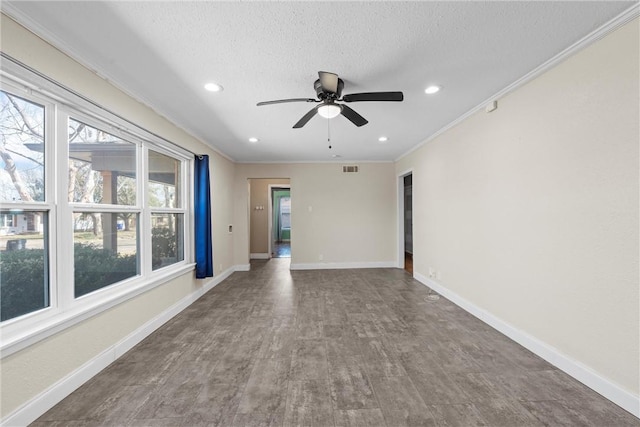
(272, 347)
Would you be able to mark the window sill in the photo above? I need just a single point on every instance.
(13, 342)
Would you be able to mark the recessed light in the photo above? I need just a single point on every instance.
(253, 139)
(432, 89)
(213, 87)
(383, 139)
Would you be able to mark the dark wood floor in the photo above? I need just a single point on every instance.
(408, 263)
(330, 348)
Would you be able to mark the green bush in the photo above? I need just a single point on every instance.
(163, 245)
(23, 283)
(96, 268)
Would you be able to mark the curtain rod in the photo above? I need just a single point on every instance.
(89, 101)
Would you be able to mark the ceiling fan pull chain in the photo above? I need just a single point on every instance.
(329, 133)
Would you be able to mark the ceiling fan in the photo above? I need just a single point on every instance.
(329, 90)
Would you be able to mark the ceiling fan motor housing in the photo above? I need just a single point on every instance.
(322, 95)
(329, 92)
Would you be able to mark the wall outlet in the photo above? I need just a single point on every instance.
(431, 272)
(321, 257)
(220, 268)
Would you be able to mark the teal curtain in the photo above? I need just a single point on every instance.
(276, 216)
(277, 226)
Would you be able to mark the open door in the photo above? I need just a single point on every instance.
(408, 223)
(280, 222)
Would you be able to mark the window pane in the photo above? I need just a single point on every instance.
(21, 150)
(167, 241)
(102, 167)
(164, 179)
(105, 249)
(24, 266)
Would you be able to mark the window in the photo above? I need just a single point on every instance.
(22, 149)
(88, 184)
(102, 167)
(167, 219)
(102, 173)
(24, 267)
(105, 254)
(24, 278)
(167, 232)
(164, 181)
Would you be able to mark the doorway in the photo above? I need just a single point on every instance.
(260, 211)
(280, 221)
(405, 225)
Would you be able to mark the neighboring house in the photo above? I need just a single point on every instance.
(20, 223)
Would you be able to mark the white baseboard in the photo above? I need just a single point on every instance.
(46, 400)
(243, 267)
(576, 369)
(342, 265)
(259, 256)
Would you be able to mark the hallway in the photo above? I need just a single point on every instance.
(329, 348)
(281, 250)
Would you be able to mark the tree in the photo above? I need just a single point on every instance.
(10, 167)
(22, 154)
(21, 126)
(126, 196)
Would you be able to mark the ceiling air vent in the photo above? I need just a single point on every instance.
(350, 169)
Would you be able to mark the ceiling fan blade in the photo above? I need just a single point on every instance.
(303, 121)
(354, 117)
(373, 96)
(282, 101)
(329, 81)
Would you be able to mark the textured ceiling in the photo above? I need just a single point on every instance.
(164, 52)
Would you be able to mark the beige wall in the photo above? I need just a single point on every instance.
(531, 212)
(352, 218)
(222, 198)
(259, 219)
(29, 372)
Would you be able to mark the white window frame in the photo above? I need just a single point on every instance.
(181, 208)
(68, 297)
(49, 205)
(64, 309)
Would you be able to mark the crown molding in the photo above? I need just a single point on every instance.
(624, 18)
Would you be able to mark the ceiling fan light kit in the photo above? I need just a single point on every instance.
(328, 89)
(329, 111)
